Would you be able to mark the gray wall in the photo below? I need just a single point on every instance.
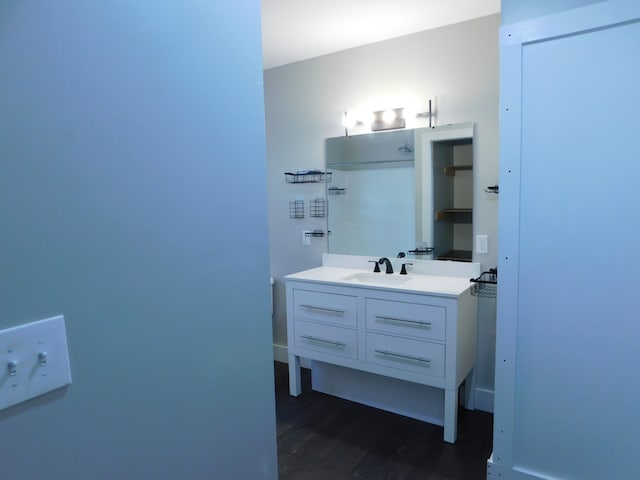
(133, 201)
(457, 66)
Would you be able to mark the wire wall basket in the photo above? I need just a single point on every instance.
(307, 176)
(296, 209)
(315, 234)
(336, 191)
(422, 251)
(486, 285)
(317, 208)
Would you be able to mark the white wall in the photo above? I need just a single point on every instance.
(457, 66)
(132, 203)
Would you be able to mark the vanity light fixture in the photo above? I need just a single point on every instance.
(428, 114)
(389, 119)
(349, 121)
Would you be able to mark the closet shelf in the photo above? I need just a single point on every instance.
(456, 215)
(452, 169)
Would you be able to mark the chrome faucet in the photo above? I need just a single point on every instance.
(387, 263)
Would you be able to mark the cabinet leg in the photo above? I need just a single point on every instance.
(450, 415)
(295, 387)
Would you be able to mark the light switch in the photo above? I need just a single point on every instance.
(36, 358)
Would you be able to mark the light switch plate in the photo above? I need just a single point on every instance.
(306, 239)
(34, 360)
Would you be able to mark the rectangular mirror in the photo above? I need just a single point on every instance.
(371, 197)
(405, 191)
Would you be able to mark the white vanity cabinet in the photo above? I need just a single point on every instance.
(421, 337)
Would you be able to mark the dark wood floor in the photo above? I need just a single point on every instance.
(327, 438)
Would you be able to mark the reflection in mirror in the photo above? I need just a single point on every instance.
(444, 191)
(402, 191)
(371, 197)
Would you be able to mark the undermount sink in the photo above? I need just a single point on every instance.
(378, 278)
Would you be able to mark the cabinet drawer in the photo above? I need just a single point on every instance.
(325, 307)
(413, 319)
(406, 354)
(326, 338)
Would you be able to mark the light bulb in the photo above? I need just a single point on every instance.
(388, 116)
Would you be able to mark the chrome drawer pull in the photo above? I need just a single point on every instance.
(325, 309)
(402, 355)
(420, 323)
(335, 343)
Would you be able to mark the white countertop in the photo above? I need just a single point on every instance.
(411, 283)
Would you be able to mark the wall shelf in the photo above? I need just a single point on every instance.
(317, 208)
(315, 234)
(486, 285)
(307, 176)
(296, 209)
(421, 251)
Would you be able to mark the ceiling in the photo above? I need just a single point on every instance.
(294, 30)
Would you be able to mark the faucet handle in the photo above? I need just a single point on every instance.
(403, 271)
(376, 269)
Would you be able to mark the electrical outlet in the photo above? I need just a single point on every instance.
(306, 238)
(482, 244)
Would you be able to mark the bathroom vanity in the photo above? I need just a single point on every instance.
(418, 329)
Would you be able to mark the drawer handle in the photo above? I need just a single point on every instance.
(325, 309)
(420, 323)
(335, 343)
(404, 356)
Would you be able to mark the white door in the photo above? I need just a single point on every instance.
(568, 327)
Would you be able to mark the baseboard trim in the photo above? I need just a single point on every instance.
(280, 353)
(484, 400)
